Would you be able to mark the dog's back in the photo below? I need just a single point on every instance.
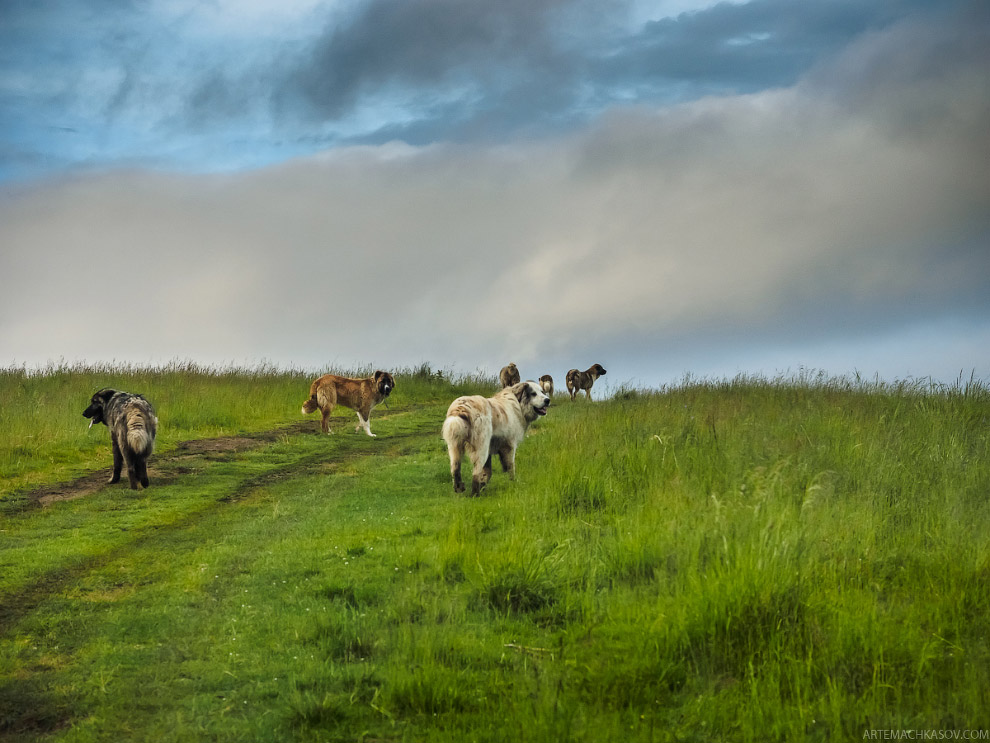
(509, 375)
(573, 380)
(133, 426)
(360, 395)
(577, 380)
(141, 426)
(546, 384)
(462, 416)
(322, 391)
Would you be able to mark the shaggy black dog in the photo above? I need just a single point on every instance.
(133, 425)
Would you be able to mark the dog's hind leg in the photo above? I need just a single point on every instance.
(455, 470)
(456, 450)
(327, 399)
(481, 458)
(142, 471)
(480, 445)
(132, 468)
(482, 470)
(455, 434)
(118, 459)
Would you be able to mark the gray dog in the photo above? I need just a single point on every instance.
(133, 425)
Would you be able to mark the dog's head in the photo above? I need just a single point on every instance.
(384, 383)
(533, 400)
(597, 371)
(95, 410)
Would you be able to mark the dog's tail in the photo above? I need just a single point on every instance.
(141, 428)
(310, 405)
(456, 430)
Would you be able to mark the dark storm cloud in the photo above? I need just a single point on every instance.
(461, 69)
(419, 43)
(160, 83)
(441, 61)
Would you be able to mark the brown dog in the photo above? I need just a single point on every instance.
(490, 425)
(582, 380)
(360, 395)
(133, 426)
(546, 384)
(508, 376)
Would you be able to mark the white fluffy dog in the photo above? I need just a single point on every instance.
(490, 425)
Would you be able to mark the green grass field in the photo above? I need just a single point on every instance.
(745, 560)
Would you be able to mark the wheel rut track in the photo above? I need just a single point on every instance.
(14, 606)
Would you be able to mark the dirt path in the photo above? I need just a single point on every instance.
(184, 459)
(163, 470)
(188, 457)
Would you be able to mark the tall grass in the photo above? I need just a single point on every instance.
(744, 560)
(820, 550)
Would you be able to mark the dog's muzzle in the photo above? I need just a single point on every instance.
(543, 410)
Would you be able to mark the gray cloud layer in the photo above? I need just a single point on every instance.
(95, 83)
(854, 204)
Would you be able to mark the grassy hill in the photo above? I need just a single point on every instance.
(800, 559)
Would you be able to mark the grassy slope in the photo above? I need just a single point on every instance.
(747, 561)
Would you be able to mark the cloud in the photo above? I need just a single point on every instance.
(198, 87)
(743, 47)
(796, 218)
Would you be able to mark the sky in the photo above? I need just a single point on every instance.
(668, 188)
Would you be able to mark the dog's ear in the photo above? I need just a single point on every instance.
(96, 403)
(522, 391)
(378, 375)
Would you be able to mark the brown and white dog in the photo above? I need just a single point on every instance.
(508, 376)
(133, 426)
(360, 395)
(582, 380)
(546, 384)
(490, 425)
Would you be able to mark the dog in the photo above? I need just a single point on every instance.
(490, 425)
(360, 395)
(546, 384)
(508, 376)
(582, 380)
(133, 427)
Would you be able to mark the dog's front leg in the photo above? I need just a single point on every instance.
(364, 423)
(488, 468)
(118, 459)
(508, 457)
